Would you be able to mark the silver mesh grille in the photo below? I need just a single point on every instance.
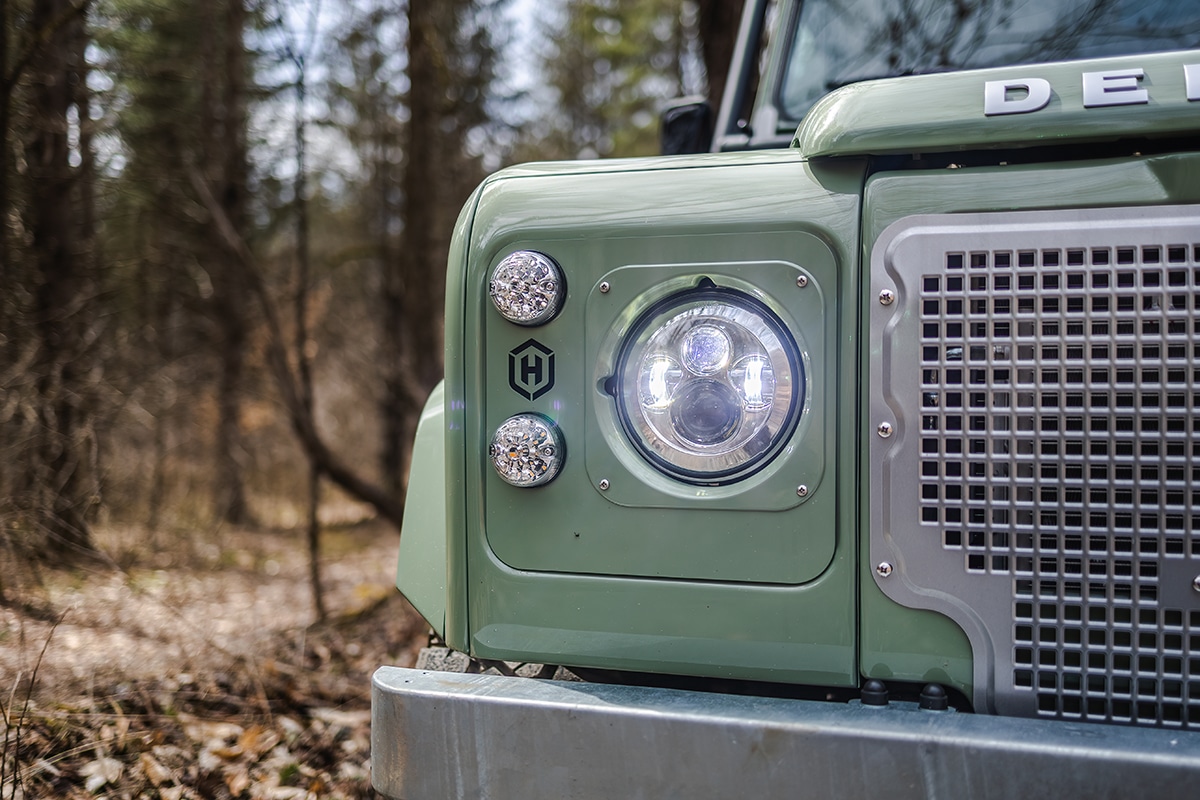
(1055, 471)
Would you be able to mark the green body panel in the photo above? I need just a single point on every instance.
(757, 530)
(752, 580)
(916, 645)
(746, 581)
(420, 570)
(944, 112)
(453, 498)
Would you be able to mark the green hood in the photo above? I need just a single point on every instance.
(944, 112)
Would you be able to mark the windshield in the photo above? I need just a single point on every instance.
(837, 42)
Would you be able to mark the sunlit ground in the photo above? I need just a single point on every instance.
(198, 664)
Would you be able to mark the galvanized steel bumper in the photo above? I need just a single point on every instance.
(444, 735)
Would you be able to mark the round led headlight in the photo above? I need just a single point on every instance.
(708, 385)
(527, 288)
(527, 450)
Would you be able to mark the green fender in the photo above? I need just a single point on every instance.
(421, 572)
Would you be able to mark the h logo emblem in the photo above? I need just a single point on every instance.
(531, 369)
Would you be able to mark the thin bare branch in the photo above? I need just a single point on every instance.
(389, 507)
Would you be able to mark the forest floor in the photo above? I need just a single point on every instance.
(160, 675)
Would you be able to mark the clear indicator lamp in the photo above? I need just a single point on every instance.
(527, 288)
(527, 450)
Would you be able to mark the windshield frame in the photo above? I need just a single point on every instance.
(749, 115)
(764, 120)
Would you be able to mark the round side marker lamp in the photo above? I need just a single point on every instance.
(527, 450)
(709, 384)
(527, 288)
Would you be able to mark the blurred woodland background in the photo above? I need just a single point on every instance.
(223, 227)
(223, 235)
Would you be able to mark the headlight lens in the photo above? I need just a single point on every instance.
(527, 288)
(708, 385)
(527, 450)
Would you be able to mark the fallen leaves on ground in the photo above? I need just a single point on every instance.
(275, 712)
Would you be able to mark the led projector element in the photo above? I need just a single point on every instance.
(527, 288)
(708, 385)
(527, 450)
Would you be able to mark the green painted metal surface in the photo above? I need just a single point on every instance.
(914, 645)
(420, 570)
(750, 581)
(756, 530)
(453, 497)
(945, 112)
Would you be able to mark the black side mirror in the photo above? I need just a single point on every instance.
(686, 127)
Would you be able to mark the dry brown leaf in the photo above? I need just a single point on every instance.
(156, 773)
(258, 740)
(100, 772)
(203, 730)
(115, 731)
(230, 753)
(288, 793)
(342, 719)
(237, 779)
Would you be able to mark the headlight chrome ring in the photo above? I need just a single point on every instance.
(708, 385)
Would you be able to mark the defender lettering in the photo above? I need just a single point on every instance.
(1121, 87)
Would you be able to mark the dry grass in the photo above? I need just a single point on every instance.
(192, 669)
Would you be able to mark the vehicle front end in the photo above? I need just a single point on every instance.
(862, 466)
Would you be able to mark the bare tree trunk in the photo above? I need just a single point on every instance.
(395, 407)
(228, 157)
(61, 227)
(303, 358)
(415, 282)
(5, 110)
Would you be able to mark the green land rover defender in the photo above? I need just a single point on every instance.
(858, 457)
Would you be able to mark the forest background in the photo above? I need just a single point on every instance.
(223, 236)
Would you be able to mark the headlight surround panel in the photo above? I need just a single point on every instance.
(787, 306)
(708, 384)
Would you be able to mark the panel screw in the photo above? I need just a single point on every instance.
(802, 490)
(884, 429)
(802, 281)
(884, 569)
(1196, 583)
(604, 287)
(887, 297)
(604, 484)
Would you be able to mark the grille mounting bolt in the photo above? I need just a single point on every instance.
(802, 490)
(802, 281)
(884, 430)
(604, 484)
(883, 569)
(604, 287)
(1196, 583)
(887, 297)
